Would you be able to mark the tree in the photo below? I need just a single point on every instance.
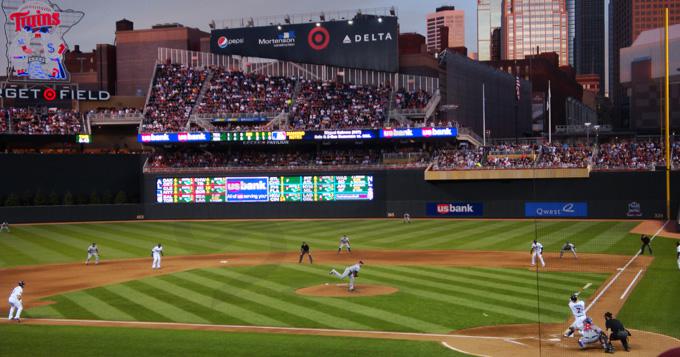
(27, 198)
(81, 199)
(68, 198)
(40, 198)
(53, 199)
(94, 198)
(107, 197)
(121, 198)
(12, 200)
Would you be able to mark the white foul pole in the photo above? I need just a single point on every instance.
(483, 115)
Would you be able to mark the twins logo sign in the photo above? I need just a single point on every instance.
(35, 32)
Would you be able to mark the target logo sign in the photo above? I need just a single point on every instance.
(49, 94)
(318, 38)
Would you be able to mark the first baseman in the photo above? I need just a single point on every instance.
(92, 252)
(344, 242)
(15, 302)
(352, 271)
(568, 246)
(304, 249)
(156, 253)
(578, 309)
(537, 251)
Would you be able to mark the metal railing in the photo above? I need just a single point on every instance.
(302, 18)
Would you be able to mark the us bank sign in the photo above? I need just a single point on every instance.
(35, 31)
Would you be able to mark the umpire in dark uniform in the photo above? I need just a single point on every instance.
(304, 249)
(645, 243)
(618, 331)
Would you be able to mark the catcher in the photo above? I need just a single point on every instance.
(352, 271)
(592, 333)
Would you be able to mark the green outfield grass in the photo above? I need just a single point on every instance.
(431, 299)
(653, 305)
(40, 244)
(31, 340)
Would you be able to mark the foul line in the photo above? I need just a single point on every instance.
(461, 351)
(631, 284)
(611, 282)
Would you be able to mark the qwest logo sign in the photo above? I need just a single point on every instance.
(556, 209)
(455, 209)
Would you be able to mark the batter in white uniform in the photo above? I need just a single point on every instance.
(92, 252)
(537, 251)
(156, 253)
(352, 271)
(15, 303)
(344, 242)
(578, 309)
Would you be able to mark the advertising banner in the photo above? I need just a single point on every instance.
(556, 209)
(455, 209)
(368, 42)
(247, 189)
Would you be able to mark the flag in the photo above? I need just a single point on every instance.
(547, 104)
(518, 87)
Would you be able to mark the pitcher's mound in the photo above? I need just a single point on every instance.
(340, 290)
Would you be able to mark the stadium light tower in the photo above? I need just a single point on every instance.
(322, 17)
(287, 19)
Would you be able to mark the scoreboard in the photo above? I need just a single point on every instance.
(264, 189)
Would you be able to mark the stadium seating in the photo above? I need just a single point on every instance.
(38, 121)
(627, 154)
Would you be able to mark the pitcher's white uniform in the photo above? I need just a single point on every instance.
(344, 242)
(578, 309)
(348, 272)
(15, 303)
(537, 251)
(156, 253)
(92, 252)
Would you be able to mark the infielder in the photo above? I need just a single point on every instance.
(4, 227)
(344, 242)
(568, 246)
(92, 252)
(592, 333)
(15, 302)
(304, 249)
(156, 253)
(352, 271)
(537, 251)
(578, 309)
(407, 218)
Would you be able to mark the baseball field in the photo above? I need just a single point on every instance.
(432, 287)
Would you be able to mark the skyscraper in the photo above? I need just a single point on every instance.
(488, 20)
(449, 17)
(535, 25)
(571, 29)
(589, 39)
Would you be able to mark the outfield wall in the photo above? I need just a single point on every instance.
(606, 195)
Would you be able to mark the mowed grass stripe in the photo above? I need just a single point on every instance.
(97, 307)
(472, 290)
(486, 229)
(129, 304)
(399, 232)
(498, 239)
(40, 248)
(447, 232)
(424, 295)
(555, 242)
(545, 233)
(115, 249)
(108, 237)
(143, 295)
(571, 279)
(370, 316)
(12, 256)
(611, 237)
(425, 231)
(153, 237)
(276, 302)
(519, 238)
(42, 311)
(457, 277)
(203, 238)
(224, 238)
(72, 309)
(218, 301)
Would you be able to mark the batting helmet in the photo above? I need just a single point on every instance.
(21, 283)
(574, 297)
(588, 320)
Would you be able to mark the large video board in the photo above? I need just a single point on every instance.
(264, 189)
(366, 42)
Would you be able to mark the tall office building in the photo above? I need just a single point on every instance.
(628, 18)
(450, 18)
(488, 21)
(571, 29)
(531, 26)
(589, 39)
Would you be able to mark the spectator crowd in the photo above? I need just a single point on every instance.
(40, 121)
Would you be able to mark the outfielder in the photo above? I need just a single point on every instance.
(352, 271)
(4, 227)
(15, 302)
(407, 218)
(304, 249)
(92, 252)
(568, 246)
(156, 253)
(592, 333)
(677, 249)
(537, 251)
(344, 242)
(578, 309)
